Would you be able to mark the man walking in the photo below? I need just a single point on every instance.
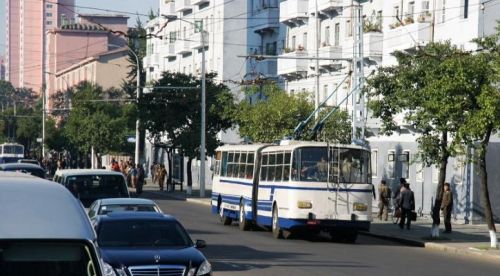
(384, 196)
(446, 207)
(407, 203)
(140, 179)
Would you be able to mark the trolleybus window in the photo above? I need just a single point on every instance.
(224, 164)
(311, 165)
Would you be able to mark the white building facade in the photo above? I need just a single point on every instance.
(234, 29)
(388, 25)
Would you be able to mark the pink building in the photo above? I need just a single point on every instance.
(26, 22)
(73, 43)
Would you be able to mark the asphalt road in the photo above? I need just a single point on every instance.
(233, 252)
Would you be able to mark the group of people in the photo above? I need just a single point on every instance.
(404, 204)
(158, 174)
(135, 174)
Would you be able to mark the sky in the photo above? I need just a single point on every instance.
(139, 6)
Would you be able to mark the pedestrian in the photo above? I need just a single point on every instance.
(384, 196)
(140, 179)
(161, 176)
(407, 204)
(115, 166)
(447, 206)
(133, 175)
(153, 172)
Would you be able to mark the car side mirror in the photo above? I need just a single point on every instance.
(200, 244)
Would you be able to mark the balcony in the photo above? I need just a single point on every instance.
(267, 67)
(199, 2)
(293, 68)
(330, 52)
(168, 8)
(407, 36)
(182, 5)
(293, 12)
(372, 46)
(326, 6)
(266, 20)
(169, 50)
(196, 40)
(182, 47)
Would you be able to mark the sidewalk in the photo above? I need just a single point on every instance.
(466, 239)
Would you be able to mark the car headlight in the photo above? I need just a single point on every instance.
(204, 268)
(108, 270)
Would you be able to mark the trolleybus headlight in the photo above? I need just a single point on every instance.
(301, 204)
(361, 207)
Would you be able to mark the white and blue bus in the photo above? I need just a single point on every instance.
(11, 152)
(295, 187)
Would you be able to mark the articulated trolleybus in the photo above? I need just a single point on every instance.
(295, 187)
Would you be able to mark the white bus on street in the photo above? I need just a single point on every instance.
(295, 187)
(11, 152)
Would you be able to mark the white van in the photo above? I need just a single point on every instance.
(44, 230)
(89, 185)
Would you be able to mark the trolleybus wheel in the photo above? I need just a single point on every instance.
(351, 236)
(277, 234)
(244, 224)
(225, 220)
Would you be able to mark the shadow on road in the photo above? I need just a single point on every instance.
(242, 258)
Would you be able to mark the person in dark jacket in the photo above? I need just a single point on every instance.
(140, 179)
(407, 203)
(446, 207)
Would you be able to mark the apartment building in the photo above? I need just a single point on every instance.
(26, 22)
(324, 28)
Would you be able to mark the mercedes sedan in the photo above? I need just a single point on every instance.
(148, 243)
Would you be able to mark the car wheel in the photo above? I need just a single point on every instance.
(244, 224)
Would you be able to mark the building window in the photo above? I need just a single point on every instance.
(49, 22)
(390, 164)
(304, 40)
(271, 48)
(292, 45)
(348, 27)
(48, 14)
(337, 34)
(404, 159)
(327, 36)
(379, 18)
(374, 163)
(49, 6)
(325, 92)
(464, 11)
(443, 11)
(198, 26)
(172, 37)
(411, 9)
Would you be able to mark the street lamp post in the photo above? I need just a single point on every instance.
(138, 121)
(203, 103)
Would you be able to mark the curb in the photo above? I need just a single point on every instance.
(199, 201)
(187, 199)
(437, 247)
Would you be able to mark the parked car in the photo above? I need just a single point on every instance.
(107, 205)
(29, 161)
(148, 243)
(89, 185)
(32, 169)
(44, 230)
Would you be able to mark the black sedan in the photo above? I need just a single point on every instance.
(148, 243)
(32, 169)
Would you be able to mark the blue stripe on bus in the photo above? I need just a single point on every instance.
(298, 188)
(237, 182)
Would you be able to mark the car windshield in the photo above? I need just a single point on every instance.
(149, 233)
(105, 209)
(91, 187)
(345, 165)
(19, 258)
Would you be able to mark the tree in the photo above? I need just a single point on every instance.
(175, 113)
(482, 115)
(428, 87)
(94, 122)
(272, 118)
(337, 127)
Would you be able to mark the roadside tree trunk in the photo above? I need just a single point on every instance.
(485, 194)
(443, 163)
(170, 167)
(189, 176)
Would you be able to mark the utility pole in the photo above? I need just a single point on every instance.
(203, 115)
(358, 100)
(44, 81)
(316, 68)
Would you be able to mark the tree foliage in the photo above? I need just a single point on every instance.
(96, 123)
(176, 112)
